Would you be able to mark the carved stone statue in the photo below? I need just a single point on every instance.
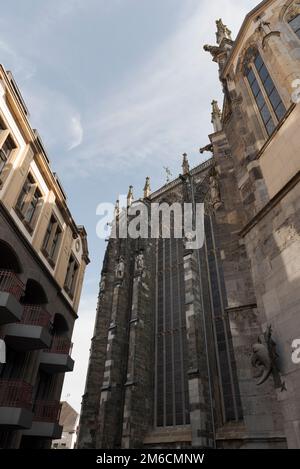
(140, 262)
(261, 359)
(188, 239)
(120, 269)
(215, 195)
(102, 284)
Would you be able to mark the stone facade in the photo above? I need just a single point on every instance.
(231, 307)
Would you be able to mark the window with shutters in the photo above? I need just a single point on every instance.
(71, 276)
(29, 203)
(52, 240)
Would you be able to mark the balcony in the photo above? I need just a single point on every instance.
(15, 404)
(32, 332)
(58, 358)
(46, 420)
(11, 290)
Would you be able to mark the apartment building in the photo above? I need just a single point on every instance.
(43, 256)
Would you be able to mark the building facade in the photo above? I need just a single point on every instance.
(43, 256)
(194, 348)
(69, 422)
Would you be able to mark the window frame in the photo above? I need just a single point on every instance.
(52, 240)
(267, 103)
(71, 277)
(23, 206)
(6, 137)
(290, 20)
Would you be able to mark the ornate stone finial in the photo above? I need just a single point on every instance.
(130, 196)
(216, 116)
(168, 174)
(185, 164)
(117, 209)
(223, 32)
(147, 188)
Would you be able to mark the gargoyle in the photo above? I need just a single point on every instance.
(215, 51)
(208, 147)
(261, 359)
(264, 356)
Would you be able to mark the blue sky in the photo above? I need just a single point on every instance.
(117, 89)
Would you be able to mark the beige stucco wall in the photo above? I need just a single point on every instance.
(281, 159)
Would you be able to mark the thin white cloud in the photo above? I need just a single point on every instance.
(165, 108)
(17, 62)
(54, 116)
(76, 132)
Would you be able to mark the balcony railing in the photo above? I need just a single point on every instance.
(47, 411)
(36, 316)
(61, 345)
(10, 283)
(15, 394)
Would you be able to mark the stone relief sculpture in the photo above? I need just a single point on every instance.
(264, 358)
(120, 269)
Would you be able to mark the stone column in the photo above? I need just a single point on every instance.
(200, 392)
(90, 401)
(138, 410)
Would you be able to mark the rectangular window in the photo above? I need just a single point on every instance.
(7, 147)
(295, 25)
(29, 201)
(52, 240)
(71, 276)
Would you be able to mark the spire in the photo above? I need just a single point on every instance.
(216, 116)
(147, 188)
(223, 32)
(185, 164)
(130, 196)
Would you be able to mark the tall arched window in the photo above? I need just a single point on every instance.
(295, 24)
(269, 103)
